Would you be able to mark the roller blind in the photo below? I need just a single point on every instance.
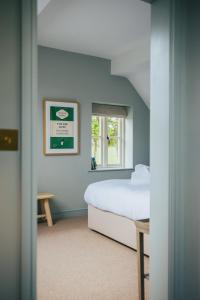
(109, 110)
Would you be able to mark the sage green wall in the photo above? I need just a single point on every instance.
(10, 161)
(85, 78)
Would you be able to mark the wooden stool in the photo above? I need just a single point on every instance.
(44, 202)
(142, 227)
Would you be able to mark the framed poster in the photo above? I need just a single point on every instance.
(61, 127)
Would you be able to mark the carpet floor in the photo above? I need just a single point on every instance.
(75, 263)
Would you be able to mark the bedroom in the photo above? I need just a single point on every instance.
(89, 62)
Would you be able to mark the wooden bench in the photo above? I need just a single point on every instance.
(45, 209)
(142, 227)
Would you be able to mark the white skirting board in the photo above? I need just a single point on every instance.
(116, 227)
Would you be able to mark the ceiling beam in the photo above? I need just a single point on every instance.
(135, 65)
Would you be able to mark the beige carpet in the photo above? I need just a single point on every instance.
(75, 263)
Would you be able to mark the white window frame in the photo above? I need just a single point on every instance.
(104, 143)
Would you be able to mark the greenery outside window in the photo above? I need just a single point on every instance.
(108, 141)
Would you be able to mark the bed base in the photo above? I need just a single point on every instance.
(116, 227)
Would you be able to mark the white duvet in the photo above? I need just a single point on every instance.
(121, 197)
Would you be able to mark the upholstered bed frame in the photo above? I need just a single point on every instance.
(116, 227)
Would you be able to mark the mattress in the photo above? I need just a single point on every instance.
(120, 197)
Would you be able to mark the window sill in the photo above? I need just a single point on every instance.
(111, 169)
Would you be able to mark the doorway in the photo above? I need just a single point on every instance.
(96, 72)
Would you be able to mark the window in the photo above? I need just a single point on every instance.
(108, 141)
(108, 138)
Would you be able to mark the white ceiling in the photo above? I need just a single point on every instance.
(103, 28)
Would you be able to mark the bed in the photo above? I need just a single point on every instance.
(113, 205)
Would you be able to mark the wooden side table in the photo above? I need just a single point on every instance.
(44, 202)
(142, 227)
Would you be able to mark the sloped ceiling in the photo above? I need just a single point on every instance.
(118, 30)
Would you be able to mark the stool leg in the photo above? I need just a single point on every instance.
(42, 207)
(48, 212)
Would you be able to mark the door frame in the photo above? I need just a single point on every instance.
(168, 96)
(29, 97)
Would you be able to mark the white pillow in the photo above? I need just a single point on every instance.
(141, 176)
(142, 167)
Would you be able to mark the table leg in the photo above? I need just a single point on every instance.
(140, 259)
(48, 212)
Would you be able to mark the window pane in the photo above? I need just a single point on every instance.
(113, 126)
(96, 149)
(96, 126)
(96, 139)
(114, 151)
